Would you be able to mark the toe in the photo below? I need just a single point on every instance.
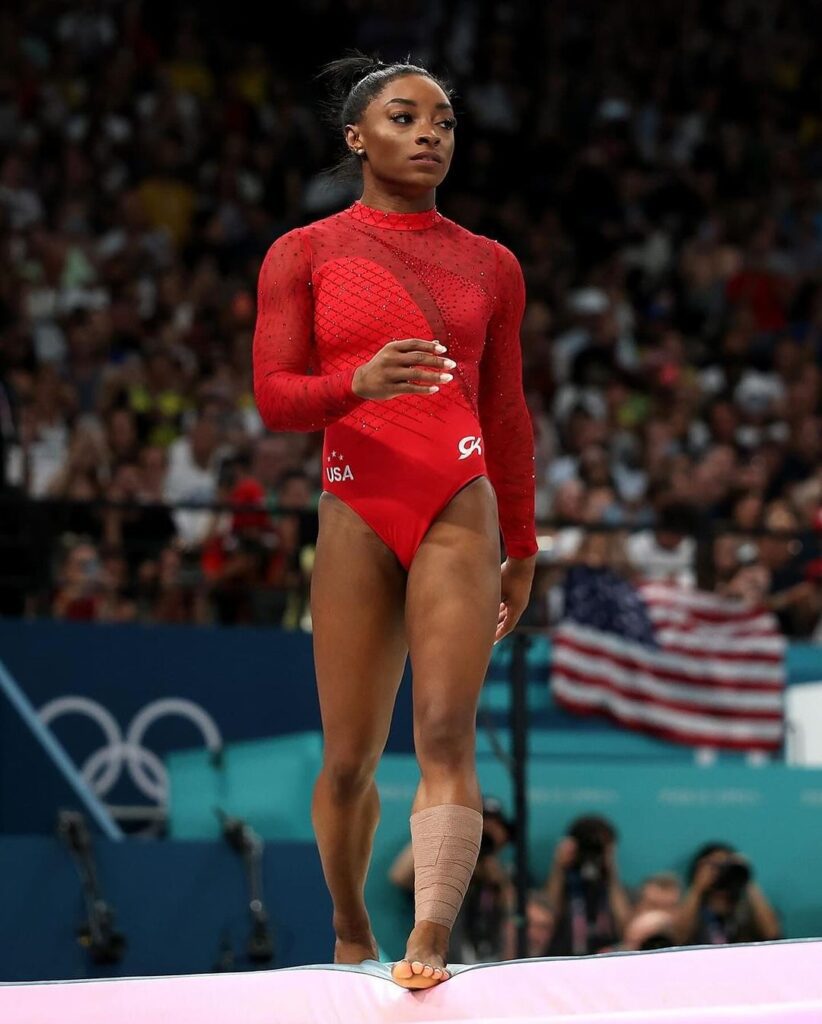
(417, 967)
(402, 969)
(428, 971)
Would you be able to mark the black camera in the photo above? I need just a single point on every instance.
(592, 836)
(491, 841)
(590, 860)
(487, 845)
(659, 940)
(732, 877)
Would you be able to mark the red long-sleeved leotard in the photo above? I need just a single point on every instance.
(330, 296)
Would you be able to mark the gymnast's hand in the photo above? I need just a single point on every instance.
(517, 576)
(407, 367)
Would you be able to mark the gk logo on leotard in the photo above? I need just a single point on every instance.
(337, 473)
(470, 446)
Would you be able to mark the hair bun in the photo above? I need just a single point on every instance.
(349, 71)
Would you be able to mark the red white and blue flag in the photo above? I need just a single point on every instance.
(684, 665)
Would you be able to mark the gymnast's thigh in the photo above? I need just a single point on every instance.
(452, 607)
(360, 648)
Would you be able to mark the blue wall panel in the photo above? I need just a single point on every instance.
(174, 901)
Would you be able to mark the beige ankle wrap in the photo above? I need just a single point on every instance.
(446, 841)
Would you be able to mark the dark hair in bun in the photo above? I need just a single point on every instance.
(354, 81)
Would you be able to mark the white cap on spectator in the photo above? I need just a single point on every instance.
(631, 484)
(712, 380)
(748, 436)
(588, 301)
(614, 109)
(571, 398)
(779, 431)
(757, 392)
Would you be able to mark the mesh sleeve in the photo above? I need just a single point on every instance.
(503, 414)
(288, 397)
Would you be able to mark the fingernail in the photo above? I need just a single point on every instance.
(445, 377)
(449, 363)
(433, 389)
(440, 348)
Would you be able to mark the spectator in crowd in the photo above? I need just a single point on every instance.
(79, 596)
(651, 924)
(723, 903)
(170, 589)
(82, 480)
(539, 928)
(668, 231)
(585, 890)
(273, 457)
(666, 552)
(661, 891)
(119, 597)
(296, 501)
(192, 475)
(790, 594)
(121, 436)
(136, 520)
(246, 560)
(650, 929)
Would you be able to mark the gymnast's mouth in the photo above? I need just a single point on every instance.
(428, 157)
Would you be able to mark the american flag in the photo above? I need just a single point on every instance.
(684, 665)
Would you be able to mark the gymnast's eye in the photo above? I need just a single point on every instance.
(450, 123)
(396, 117)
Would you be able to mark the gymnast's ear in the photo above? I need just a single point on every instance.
(353, 140)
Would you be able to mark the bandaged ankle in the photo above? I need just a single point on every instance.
(446, 841)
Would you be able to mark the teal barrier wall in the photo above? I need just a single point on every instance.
(663, 812)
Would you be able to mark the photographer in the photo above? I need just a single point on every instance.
(481, 932)
(650, 929)
(661, 891)
(591, 904)
(723, 904)
(539, 928)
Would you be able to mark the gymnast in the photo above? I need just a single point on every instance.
(397, 332)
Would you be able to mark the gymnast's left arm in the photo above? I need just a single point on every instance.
(509, 438)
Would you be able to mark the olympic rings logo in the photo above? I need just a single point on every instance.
(103, 768)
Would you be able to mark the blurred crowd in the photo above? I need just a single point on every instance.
(582, 906)
(656, 166)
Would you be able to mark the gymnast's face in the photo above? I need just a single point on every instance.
(407, 134)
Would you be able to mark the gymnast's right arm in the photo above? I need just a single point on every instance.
(288, 397)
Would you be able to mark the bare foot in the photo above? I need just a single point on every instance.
(424, 962)
(354, 951)
(355, 942)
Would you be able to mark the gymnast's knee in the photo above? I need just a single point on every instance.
(444, 740)
(348, 776)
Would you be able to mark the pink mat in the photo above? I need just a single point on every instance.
(775, 981)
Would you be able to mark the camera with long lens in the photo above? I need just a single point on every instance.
(491, 841)
(732, 877)
(659, 940)
(487, 844)
(592, 840)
